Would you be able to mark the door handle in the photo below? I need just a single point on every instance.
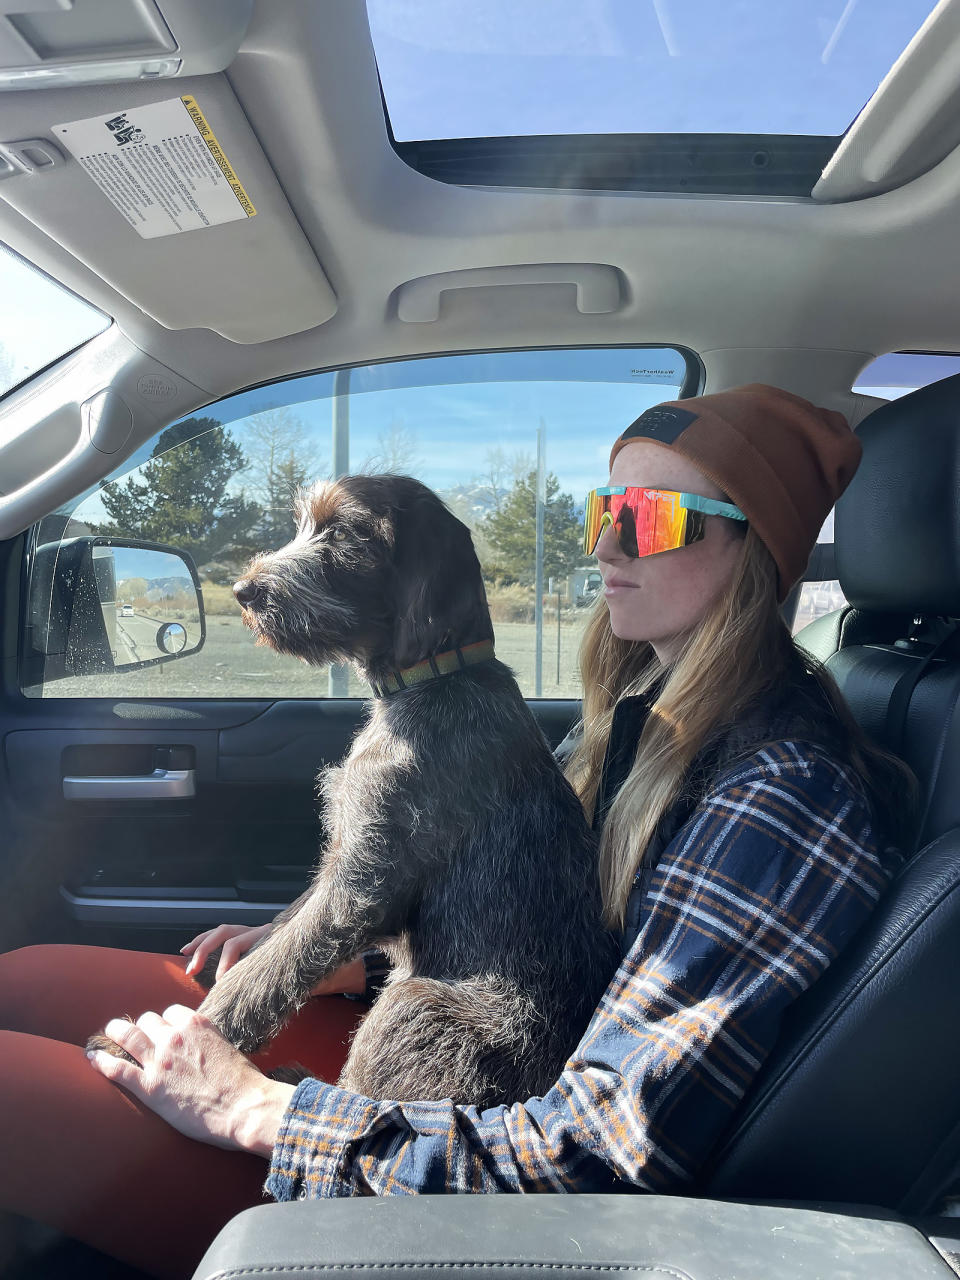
(162, 784)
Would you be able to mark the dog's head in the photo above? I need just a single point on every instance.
(380, 573)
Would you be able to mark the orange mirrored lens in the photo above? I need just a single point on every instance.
(647, 521)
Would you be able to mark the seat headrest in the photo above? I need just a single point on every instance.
(897, 527)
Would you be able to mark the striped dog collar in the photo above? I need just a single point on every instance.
(438, 664)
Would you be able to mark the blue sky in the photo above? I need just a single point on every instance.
(453, 410)
(130, 563)
(458, 68)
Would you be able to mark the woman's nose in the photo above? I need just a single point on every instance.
(608, 547)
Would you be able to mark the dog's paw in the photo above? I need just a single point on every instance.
(293, 1074)
(106, 1045)
(206, 976)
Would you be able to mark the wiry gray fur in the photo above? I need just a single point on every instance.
(452, 841)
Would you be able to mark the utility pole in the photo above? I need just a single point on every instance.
(339, 674)
(541, 503)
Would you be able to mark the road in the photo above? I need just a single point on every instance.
(137, 638)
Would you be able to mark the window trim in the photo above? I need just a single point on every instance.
(734, 164)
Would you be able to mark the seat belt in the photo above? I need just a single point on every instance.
(895, 725)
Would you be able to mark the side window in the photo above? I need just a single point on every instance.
(479, 429)
(819, 597)
(887, 378)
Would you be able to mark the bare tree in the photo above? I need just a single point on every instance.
(502, 470)
(396, 452)
(282, 457)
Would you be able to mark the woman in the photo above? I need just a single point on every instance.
(744, 839)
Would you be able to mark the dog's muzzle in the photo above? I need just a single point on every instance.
(247, 592)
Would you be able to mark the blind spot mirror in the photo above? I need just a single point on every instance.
(172, 638)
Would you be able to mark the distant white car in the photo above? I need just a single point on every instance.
(126, 611)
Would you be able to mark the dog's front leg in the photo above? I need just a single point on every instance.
(359, 896)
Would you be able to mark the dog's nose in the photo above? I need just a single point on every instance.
(246, 591)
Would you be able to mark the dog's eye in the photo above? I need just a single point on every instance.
(337, 532)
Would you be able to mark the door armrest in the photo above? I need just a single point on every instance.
(521, 1237)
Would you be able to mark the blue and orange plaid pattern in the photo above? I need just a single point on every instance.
(767, 882)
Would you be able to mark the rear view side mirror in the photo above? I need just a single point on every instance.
(103, 605)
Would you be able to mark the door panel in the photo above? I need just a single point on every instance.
(152, 872)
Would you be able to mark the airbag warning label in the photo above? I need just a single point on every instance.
(160, 166)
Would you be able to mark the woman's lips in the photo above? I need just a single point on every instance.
(615, 585)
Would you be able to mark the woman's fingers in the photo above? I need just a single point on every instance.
(130, 1036)
(179, 1015)
(233, 950)
(118, 1070)
(208, 943)
(191, 946)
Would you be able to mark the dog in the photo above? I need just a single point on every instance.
(451, 839)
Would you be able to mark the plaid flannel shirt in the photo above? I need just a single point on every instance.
(772, 875)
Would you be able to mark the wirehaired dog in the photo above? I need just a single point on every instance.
(452, 840)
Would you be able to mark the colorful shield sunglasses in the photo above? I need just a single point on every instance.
(648, 521)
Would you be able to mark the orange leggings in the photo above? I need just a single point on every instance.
(81, 1154)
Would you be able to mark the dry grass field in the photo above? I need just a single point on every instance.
(230, 665)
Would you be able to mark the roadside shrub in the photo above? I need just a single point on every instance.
(510, 602)
(218, 600)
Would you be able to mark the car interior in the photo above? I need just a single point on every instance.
(251, 243)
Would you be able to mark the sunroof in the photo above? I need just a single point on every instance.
(794, 70)
(462, 69)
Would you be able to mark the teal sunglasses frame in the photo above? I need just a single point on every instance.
(688, 501)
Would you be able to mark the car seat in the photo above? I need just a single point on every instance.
(860, 1099)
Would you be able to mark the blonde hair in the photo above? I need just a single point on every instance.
(740, 651)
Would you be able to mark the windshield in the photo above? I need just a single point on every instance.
(39, 320)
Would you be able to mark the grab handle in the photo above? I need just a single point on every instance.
(162, 784)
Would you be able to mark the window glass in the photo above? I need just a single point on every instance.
(900, 372)
(218, 486)
(457, 69)
(39, 320)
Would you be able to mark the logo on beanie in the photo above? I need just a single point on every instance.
(663, 423)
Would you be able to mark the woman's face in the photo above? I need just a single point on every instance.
(661, 598)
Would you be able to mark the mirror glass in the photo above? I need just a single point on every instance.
(172, 637)
(149, 603)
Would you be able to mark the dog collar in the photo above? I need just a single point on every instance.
(438, 664)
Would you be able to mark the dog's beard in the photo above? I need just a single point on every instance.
(318, 635)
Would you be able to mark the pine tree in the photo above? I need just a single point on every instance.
(180, 496)
(512, 532)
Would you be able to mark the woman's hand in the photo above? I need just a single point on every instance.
(236, 940)
(195, 1080)
(349, 979)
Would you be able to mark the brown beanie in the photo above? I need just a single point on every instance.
(783, 461)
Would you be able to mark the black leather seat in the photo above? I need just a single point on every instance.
(860, 1100)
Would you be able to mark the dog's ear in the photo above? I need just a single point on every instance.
(439, 598)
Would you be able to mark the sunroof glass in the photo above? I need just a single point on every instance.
(462, 69)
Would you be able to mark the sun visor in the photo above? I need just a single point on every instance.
(163, 189)
(46, 44)
(910, 124)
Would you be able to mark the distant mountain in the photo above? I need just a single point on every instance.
(472, 501)
(159, 588)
